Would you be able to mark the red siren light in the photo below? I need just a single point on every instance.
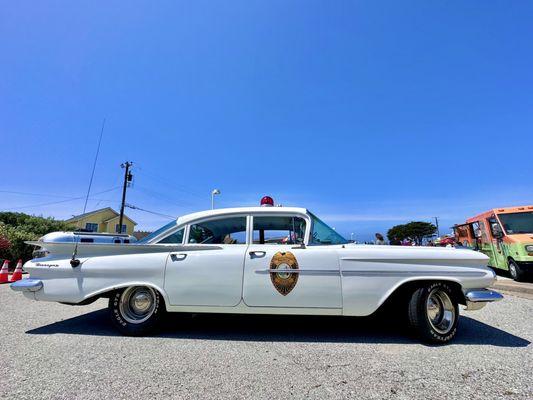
(267, 201)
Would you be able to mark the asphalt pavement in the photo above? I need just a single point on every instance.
(54, 351)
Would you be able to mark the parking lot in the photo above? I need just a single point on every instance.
(54, 351)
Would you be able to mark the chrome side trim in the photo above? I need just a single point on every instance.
(316, 272)
(473, 274)
(413, 261)
(27, 285)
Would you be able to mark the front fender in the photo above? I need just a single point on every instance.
(363, 295)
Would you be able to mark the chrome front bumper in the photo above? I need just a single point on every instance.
(477, 299)
(27, 285)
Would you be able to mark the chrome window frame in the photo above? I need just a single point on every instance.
(304, 216)
(164, 235)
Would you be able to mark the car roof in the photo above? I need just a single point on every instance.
(239, 210)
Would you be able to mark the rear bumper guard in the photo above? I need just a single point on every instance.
(477, 299)
(27, 285)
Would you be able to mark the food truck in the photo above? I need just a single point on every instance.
(503, 234)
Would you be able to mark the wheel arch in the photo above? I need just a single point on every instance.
(403, 290)
(108, 291)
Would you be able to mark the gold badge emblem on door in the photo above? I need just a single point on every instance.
(283, 279)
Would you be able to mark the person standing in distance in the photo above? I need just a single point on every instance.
(380, 240)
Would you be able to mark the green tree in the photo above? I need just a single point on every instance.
(415, 230)
(16, 228)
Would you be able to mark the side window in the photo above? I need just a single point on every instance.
(477, 230)
(123, 230)
(175, 238)
(220, 231)
(91, 227)
(323, 234)
(484, 232)
(494, 226)
(278, 230)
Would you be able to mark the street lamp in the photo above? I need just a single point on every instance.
(213, 194)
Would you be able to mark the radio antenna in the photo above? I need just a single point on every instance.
(74, 262)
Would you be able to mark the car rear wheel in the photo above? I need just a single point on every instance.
(434, 313)
(136, 310)
(515, 271)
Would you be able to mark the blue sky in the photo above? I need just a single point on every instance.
(369, 113)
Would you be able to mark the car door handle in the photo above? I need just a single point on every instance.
(257, 253)
(178, 256)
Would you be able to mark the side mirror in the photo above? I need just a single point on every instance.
(496, 230)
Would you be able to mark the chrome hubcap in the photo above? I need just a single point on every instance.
(137, 304)
(440, 311)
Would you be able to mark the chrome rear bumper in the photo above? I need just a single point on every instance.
(477, 299)
(27, 285)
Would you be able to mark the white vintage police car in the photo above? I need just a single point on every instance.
(260, 260)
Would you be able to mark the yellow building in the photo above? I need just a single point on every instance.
(102, 220)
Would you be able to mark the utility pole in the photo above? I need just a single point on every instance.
(437, 225)
(127, 179)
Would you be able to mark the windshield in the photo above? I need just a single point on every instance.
(323, 234)
(514, 223)
(159, 231)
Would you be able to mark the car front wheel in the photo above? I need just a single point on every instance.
(136, 310)
(434, 313)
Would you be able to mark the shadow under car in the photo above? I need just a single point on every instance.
(281, 328)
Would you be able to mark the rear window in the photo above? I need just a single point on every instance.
(279, 230)
(219, 231)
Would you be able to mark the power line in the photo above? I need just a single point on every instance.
(169, 183)
(148, 211)
(51, 195)
(160, 196)
(63, 201)
(35, 194)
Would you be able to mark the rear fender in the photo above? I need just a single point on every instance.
(107, 292)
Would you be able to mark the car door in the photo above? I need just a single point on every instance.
(500, 258)
(308, 276)
(207, 270)
(485, 243)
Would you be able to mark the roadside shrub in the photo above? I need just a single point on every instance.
(16, 228)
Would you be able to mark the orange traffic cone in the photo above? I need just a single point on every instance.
(4, 273)
(17, 274)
